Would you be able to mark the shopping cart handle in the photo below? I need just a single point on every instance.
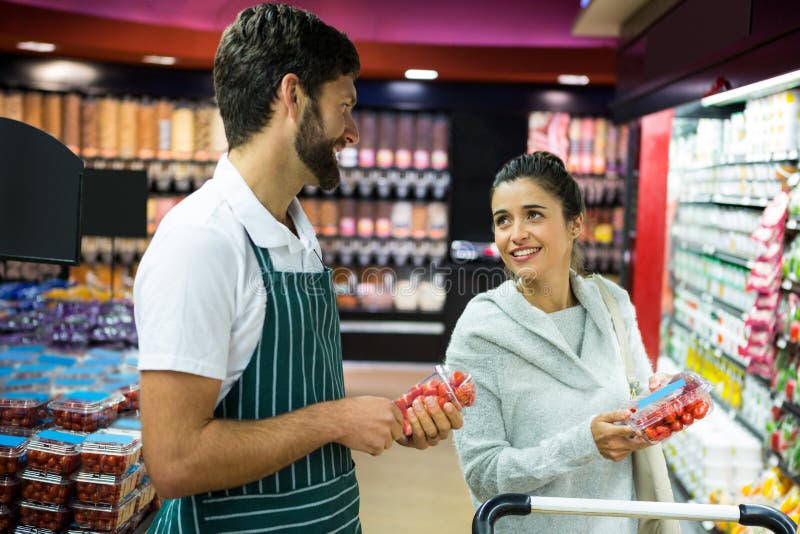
(497, 507)
(758, 515)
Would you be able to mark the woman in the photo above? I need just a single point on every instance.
(546, 362)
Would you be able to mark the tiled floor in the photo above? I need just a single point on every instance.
(405, 490)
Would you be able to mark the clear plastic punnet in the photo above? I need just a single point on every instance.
(105, 489)
(53, 451)
(43, 515)
(45, 487)
(672, 408)
(35, 370)
(8, 516)
(25, 409)
(147, 492)
(445, 384)
(126, 528)
(12, 454)
(128, 385)
(102, 516)
(41, 384)
(9, 490)
(109, 453)
(86, 411)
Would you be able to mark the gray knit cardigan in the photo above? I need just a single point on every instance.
(529, 430)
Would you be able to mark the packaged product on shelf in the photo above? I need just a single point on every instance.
(366, 219)
(183, 131)
(657, 415)
(219, 143)
(25, 409)
(401, 220)
(40, 515)
(383, 219)
(128, 385)
(347, 217)
(311, 207)
(9, 490)
(52, 115)
(146, 129)
(202, 126)
(55, 451)
(32, 104)
(586, 145)
(329, 216)
(147, 492)
(46, 487)
(109, 453)
(8, 517)
(164, 110)
(437, 220)
(419, 221)
(105, 489)
(14, 106)
(103, 517)
(445, 384)
(441, 136)
(128, 128)
(27, 385)
(387, 139)
(368, 138)
(405, 137)
(12, 454)
(423, 141)
(108, 127)
(35, 370)
(599, 146)
(86, 411)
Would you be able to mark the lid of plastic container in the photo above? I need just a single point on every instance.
(11, 441)
(128, 424)
(26, 348)
(116, 439)
(6, 371)
(104, 479)
(83, 370)
(27, 382)
(75, 382)
(55, 359)
(660, 394)
(15, 357)
(59, 435)
(102, 507)
(43, 506)
(105, 354)
(48, 478)
(36, 368)
(23, 398)
(85, 401)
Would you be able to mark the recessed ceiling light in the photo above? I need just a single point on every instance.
(160, 60)
(784, 82)
(573, 79)
(421, 74)
(36, 46)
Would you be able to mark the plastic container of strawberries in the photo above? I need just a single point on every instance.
(672, 408)
(445, 384)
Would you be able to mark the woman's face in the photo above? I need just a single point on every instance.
(530, 231)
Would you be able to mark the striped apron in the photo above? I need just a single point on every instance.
(297, 362)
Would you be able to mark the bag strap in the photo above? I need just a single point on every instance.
(619, 329)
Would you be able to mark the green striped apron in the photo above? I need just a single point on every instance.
(297, 362)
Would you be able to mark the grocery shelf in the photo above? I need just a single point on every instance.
(727, 200)
(775, 459)
(770, 157)
(371, 326)
(737, 360)
(709, 250)
(710, 299)
(737, 416)
(792, 408)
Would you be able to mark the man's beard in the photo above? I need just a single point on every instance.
(315, 151)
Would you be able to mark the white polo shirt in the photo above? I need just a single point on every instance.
(199, 296)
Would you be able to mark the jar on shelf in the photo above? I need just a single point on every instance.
(368, 138)
(366, 219)
(403, 156)
(329, 215)
(90, 118)
(32, 104)
(108, 127)
(52, 115)
(219, 143)
(14, 106)
(146, 129)
(128, 125)
(202, 126)
(387, 132)
(423, 141)
(71, 123)
(401, 220)
(164, 110)
(383, 219)
(441, 133)
(347, 217)
(419, 220)
(437, 220)
(183, 131)
(311, 207)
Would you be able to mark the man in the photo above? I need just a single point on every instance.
(245, 423)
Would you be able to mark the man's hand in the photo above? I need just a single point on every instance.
(368, 424)
(430, 426)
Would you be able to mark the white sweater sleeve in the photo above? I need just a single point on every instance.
(491, 465)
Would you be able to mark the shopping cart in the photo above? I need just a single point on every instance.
(518, 504)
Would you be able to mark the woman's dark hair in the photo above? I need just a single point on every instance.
(549, 173)
(265, 43)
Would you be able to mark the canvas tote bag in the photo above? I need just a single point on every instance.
(650, 476)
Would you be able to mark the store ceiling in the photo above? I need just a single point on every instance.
(466, 40)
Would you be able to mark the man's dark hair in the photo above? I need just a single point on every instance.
(265, 43)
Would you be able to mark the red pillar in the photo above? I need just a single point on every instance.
(651, 227)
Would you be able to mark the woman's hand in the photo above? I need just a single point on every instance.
(430, 423)
(615, 442)
(659, 380)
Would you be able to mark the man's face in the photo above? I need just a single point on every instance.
(326, 127)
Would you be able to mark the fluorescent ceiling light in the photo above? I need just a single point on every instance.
(421, 74)
(36, 46)
(766, 87)
(573, 79)
(160, 60)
